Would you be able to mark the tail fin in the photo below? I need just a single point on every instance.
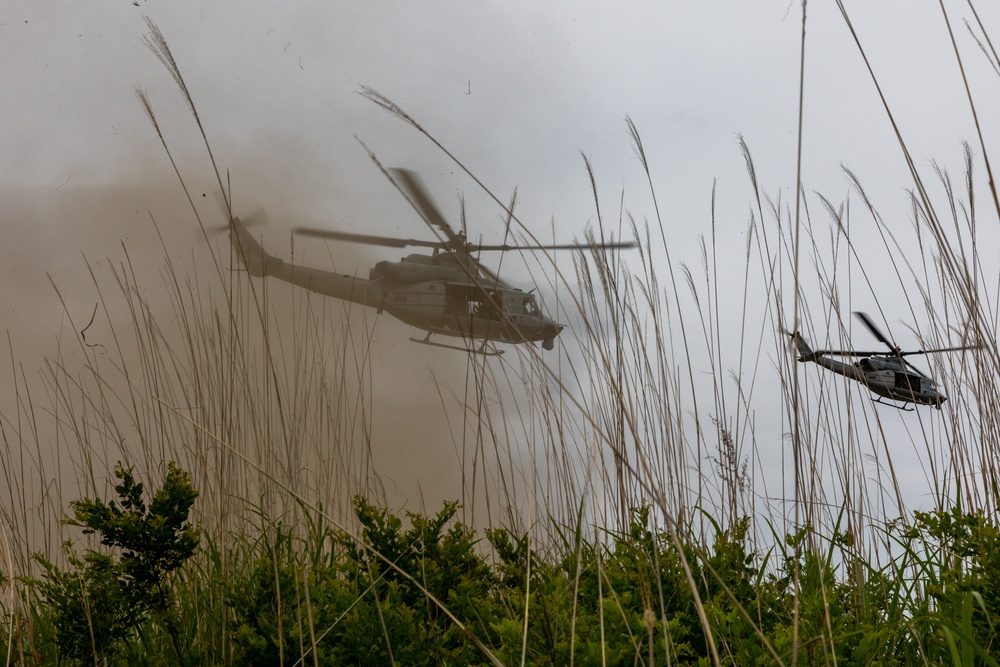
(805, 352)
(251, 253)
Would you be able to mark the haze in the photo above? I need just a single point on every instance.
(515, 89)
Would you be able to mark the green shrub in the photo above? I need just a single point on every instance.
(956, 557)
(98, 604)
(366, 603)
(330, 598)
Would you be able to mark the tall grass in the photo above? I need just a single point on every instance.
(671, 407)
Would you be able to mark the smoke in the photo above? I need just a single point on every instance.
(95, 273)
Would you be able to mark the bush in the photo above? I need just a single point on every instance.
(367, 603)
(98, 604)
(426, 591)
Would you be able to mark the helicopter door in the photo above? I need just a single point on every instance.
(908, 382)
(466, 301)
(456, 300)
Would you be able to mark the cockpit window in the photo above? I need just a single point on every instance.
(529, 307)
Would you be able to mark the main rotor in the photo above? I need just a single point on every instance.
(894, 351)
(409, 183)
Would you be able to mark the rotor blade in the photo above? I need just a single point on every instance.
(940, 349)
(258, 217)
(388, 241)
(957, 348)
(914, 369)
(215, 230)
(489, 274)
(414, 189)
(555, 246)
(867, 321)
(849, 353)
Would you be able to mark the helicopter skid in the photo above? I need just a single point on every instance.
(460, 348)
(902, 407)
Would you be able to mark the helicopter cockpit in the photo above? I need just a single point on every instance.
(890, 371)
(528, 304)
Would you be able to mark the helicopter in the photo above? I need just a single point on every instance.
(448, 292)
(887, 374)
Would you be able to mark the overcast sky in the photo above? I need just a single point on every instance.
(516, 89)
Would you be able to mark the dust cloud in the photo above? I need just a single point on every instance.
(335, 398)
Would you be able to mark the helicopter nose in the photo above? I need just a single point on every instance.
(549, 334)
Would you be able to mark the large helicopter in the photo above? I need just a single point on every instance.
(887, 374)
(448, 292)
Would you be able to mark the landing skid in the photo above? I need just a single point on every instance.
(461, 348)
(893, 405)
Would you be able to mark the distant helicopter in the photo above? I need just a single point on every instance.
(448, 292)
(887, 374)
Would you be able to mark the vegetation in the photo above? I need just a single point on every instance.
(95, 607)
(431, 591)
(617, 507)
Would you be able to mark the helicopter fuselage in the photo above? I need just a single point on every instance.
(469, 310)
(434, 293)
(888, 377)
(884, 375)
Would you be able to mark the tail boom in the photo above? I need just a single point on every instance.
(260, 264)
